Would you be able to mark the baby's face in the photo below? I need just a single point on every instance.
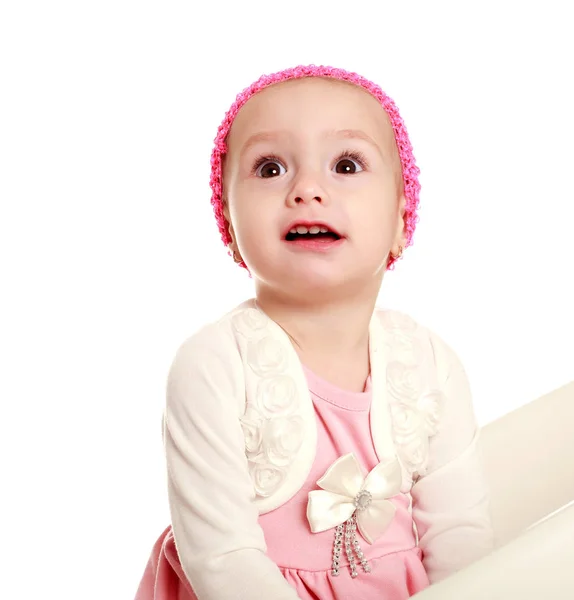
(316, 154)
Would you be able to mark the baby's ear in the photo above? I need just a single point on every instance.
(226, 211)
(233, 243)
(401, 238)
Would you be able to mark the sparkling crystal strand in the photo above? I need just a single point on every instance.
(337, 550)
(364, 564)
(359, 552)
(349, 535)
(348, 549)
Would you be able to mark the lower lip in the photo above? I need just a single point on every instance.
(320, 245)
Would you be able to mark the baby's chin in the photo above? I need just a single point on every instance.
(318, 283)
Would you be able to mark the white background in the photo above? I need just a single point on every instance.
(110, 256)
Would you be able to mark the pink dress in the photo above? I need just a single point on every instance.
(305, 558)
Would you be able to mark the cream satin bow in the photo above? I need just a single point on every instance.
(345, 491)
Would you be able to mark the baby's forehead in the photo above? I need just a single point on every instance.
(313, 100)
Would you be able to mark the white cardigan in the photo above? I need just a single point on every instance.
(240, 438)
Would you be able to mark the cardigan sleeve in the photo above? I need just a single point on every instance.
(220, 544)
(451, 507)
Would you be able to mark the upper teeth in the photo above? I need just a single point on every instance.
(301, 229)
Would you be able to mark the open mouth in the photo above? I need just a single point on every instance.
(314, 232)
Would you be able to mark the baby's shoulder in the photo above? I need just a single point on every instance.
(401, 324)
(216, 339)
(403, 331)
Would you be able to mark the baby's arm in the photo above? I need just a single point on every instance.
(215, 522)
(451, 503)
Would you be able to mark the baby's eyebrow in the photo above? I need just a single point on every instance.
(263, 136)
(271, 136)
(355, 134)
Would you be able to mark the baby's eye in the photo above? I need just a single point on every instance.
(269, 167)
(348, 166)
(347, 163)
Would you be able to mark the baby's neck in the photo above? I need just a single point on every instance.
(332, 340)
(346, 370)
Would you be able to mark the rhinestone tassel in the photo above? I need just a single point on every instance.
(349, 539)
(337, 549)
(351, 545)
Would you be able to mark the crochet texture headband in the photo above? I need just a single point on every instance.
(409, 168)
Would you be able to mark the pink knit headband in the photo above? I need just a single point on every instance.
(409, 167)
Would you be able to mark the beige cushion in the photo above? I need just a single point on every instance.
(538, 564)
(529, 461)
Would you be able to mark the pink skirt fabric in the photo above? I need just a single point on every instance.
(403, 578)
(164, 578)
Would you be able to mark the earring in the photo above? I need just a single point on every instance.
(399, 253)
